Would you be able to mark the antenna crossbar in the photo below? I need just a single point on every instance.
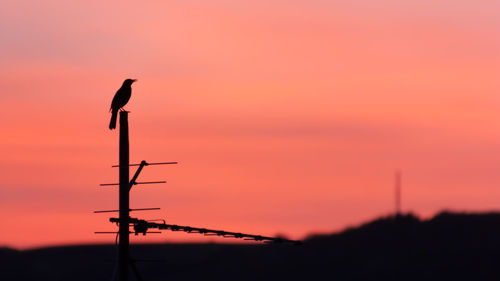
(148, 164)
(133, 183)
(148, 182)
(131, 210)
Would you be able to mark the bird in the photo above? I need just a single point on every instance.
(120, 100)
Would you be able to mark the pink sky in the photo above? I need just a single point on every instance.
(286, 116)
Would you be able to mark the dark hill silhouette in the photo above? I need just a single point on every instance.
(449, 246)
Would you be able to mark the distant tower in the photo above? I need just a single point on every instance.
(397, 192)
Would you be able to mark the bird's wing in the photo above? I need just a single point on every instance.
(115, 103)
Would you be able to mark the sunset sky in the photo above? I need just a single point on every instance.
(286, 117)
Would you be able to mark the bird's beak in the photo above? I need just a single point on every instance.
(133, 80)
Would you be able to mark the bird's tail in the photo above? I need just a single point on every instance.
(112, 122)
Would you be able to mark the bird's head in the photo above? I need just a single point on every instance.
(129, 81)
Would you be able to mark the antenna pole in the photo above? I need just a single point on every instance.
(398, 192)
(124, 219)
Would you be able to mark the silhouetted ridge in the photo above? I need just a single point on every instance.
(444, 226)
(449, 246)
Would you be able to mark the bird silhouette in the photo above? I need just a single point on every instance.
(120, 100)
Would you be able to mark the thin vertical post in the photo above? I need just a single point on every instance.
(124, 219)
(398, 192)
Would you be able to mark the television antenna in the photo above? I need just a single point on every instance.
(397, 192)
(141, 226)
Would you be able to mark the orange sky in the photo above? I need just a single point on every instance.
(286, 116)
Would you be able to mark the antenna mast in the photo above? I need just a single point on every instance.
(124, 219)
(397, 183)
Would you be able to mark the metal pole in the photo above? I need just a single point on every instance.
(124, 219)
(398, 192)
